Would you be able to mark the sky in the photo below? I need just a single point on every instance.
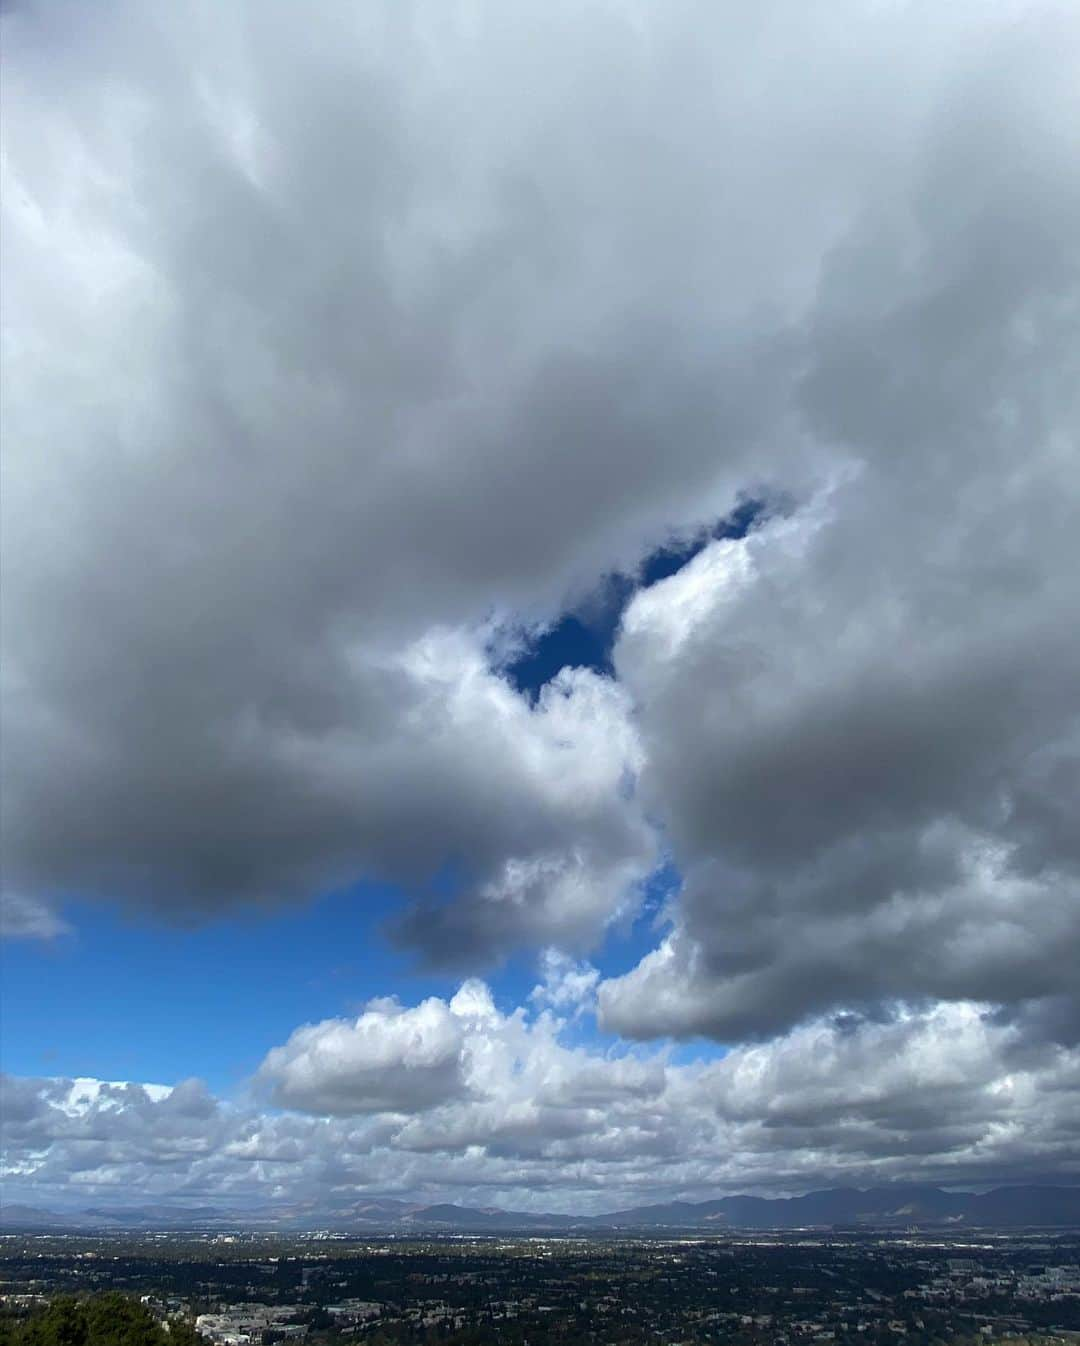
(540, 573)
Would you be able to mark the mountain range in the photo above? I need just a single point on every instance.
(881, 1207)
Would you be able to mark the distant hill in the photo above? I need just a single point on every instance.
(490, 1217)
(27, 1217)
(32, 1219)
(876, 1207)
(156, 1216)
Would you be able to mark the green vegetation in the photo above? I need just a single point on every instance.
(111, 1319)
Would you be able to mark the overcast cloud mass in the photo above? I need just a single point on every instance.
(346, 347)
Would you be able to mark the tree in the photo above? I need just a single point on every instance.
(111, 1319)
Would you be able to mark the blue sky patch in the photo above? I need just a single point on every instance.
(586, 638)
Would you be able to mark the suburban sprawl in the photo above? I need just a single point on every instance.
(754, 1289)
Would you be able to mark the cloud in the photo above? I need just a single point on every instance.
(308, 354)
(23, 917)
(275, 422)
(566, 984)
(446, 766)
(861, 722)
(339, 344)
(486, 1075)
(482, 1106)
(390, 1059)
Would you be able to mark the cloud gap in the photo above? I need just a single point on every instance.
(586, 636)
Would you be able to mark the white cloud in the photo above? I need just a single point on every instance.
(483, 1106)
(390, 1059)
(567, 984)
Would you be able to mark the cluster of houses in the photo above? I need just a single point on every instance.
(248, 1324)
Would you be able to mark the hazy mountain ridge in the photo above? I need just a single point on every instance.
(877, 1206)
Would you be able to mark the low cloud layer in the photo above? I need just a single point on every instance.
(454, 1100)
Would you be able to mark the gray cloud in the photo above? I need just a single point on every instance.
(338, 345)
(862, 724)
(308, 352)
(274, 416)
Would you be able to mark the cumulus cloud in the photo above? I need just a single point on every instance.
(390, 1059)
(465, 1073)
(343, 349)
(862, 721)
(849, 755)
(447, 765)
(453, 1100)
(566, 983)
(308, 354)
(306, 361)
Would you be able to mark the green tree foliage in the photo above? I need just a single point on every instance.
(105, 1320)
